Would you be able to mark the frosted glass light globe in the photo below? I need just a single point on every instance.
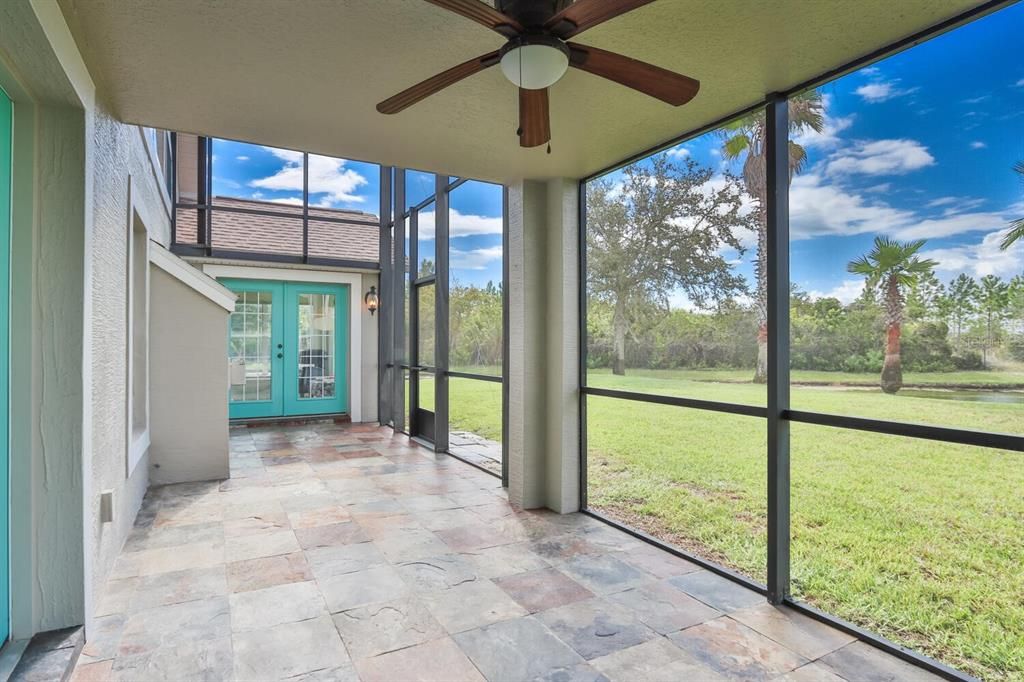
(534, 67)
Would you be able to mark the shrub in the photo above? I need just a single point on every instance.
(968, 360)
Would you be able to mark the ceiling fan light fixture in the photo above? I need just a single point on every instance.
(534, 62)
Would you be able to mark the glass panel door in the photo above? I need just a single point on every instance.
(256, 349)
(6, 116)
(316, 348)
(422, 375)
(288, 349)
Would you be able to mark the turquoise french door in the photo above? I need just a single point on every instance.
(288, 344)
(6, 130)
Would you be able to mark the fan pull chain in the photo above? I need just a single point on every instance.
(519, 95)
(549, 147)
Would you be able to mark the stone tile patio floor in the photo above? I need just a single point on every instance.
(342, 552)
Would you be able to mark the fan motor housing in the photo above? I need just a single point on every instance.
(532, 13)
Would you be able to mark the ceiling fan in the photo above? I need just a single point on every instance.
(538, 53)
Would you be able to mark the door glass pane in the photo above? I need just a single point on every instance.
(316, 346)
(425, 326)
(250, 345)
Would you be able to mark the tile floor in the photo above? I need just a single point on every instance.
(341, 552)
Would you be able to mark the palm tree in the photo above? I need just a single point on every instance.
(1016, 229)
(892, 267)
(747, 136)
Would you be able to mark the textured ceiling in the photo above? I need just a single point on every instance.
(306, 74)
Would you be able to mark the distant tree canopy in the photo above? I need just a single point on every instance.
(659, 230)
(828, 335)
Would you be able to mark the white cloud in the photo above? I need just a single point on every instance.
(978, 144)
(980, 259)
(882, 188)
(976, 100)
(460, 225)
(474, 259)
(831, 127)
(326, 176)
(880, 91)
(870, 71)
(875, 92)
(288, 201)
(818, 208)
(242, 158)
(880, 157)
(679, 151)
(952, 223)
(1020, 83)
(846, 291)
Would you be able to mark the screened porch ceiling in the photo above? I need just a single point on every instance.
(308, 75)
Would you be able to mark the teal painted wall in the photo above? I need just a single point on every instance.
(6, 139)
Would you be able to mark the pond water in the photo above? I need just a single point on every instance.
(967, 395)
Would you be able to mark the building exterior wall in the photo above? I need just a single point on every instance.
(126, 187)
(80, 175)
(189, 376)
(370, 351)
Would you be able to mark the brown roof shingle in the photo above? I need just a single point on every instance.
(356, 239)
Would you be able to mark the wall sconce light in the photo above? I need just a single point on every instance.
(371, 300)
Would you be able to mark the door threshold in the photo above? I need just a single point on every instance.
(297, 420)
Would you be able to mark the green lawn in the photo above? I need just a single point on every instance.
(994, 379)
(919, 541)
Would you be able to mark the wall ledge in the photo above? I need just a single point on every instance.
(191, 277)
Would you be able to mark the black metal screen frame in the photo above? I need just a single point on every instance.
(205, 208)
(399, 326)
(778, 413)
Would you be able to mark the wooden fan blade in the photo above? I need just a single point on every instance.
(534, 124)
(668, 86)
(408, 97)
(584, 14)
(482, 14)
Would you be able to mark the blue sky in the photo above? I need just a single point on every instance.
(918, 146)
(255, 172)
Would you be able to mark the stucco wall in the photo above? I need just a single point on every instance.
(188, 384)
(123, 183)
(369, 354)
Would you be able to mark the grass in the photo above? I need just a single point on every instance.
(919, 541)
(994, 379)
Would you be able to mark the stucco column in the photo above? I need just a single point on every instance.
(543, 286)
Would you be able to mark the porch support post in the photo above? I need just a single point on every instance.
(397, 313)
(777, 252)
(543, 342)
(385, 342)
(441, 313)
